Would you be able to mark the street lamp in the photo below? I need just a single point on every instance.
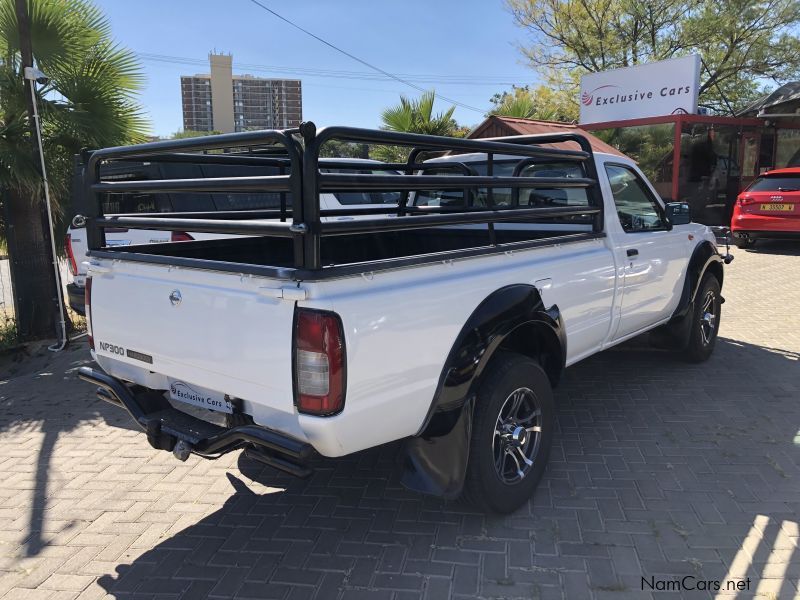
(36, 76)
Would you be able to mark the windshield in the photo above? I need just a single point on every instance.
(776, 183)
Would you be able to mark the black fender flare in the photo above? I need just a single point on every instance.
(513, 317)
(705, 258)
(674, 335)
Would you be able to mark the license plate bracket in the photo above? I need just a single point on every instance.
(200, 397)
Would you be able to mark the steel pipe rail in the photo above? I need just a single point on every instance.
(434, 142)
(342, 182)
(419, 222)
(241, 227)
(261, 183)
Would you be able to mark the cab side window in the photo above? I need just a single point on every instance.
(638, 210)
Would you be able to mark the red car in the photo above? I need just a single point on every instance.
(768, 208)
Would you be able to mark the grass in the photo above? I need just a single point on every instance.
(8, 329)
(8, 332)
(78, 322)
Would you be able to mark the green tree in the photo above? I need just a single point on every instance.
(89, 102)
(340, 149)
(414, 115)
(190, 133)
(742, 42)
(542, 102)
(649, 145)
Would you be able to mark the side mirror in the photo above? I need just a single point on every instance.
(678, 213)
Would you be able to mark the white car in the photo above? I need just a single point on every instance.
(446, 326)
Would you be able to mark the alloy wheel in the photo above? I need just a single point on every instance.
(708, 317)
(517, 436)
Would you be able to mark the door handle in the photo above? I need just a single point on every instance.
(632, 252)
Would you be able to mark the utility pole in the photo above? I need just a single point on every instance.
(27, 230)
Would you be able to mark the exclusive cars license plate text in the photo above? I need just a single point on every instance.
(197, 396)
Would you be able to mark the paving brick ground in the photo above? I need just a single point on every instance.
(660, 469)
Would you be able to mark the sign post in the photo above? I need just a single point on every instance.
(655, 89)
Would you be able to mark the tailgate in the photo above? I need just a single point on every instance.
(772, 204)
(210, 331)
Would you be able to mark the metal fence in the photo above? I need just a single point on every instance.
(7, 313)
(6, 292)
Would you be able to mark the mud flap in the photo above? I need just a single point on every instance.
(437, 465)
(675, 334)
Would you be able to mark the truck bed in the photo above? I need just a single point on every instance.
(338, 251)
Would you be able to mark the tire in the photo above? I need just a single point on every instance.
(706, 313)
(743, 243)
(510, 380)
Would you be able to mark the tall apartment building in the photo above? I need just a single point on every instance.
(226, 103)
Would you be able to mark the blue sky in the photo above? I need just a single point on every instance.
(470, 41)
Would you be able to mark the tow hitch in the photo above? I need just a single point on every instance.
(170, 429)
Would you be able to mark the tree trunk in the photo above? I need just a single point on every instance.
(32, 278)
(27, 229)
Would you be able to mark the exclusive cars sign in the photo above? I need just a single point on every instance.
(651, 90)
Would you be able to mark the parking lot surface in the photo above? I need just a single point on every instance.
(661, 471)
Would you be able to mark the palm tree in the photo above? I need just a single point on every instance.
(520, 106)
(89, 102)
(414, 115)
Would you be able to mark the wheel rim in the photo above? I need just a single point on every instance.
(708, 318)
(517, 436)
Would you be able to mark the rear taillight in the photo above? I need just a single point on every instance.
(87, 299)
(73, 266)
(319, 362)
(180, 236)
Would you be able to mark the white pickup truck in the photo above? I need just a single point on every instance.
(446, 325)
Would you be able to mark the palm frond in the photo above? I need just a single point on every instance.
(91, 100)
(416, 116)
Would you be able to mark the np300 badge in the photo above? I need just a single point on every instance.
(111, 348)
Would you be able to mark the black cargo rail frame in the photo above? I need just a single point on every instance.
(302, 218)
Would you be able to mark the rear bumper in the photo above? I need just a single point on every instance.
(765, 235)
(76, 298)
(767, 225)
(170, 429)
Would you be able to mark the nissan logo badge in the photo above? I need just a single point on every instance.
(175, 297)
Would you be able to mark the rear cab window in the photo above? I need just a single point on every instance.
(506, 197)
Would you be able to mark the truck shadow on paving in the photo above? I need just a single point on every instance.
(678, 467)
(32, 401)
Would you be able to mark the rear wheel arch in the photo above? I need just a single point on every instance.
(541, 342)
(511, 319)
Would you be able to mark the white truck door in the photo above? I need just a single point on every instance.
(651, 257)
